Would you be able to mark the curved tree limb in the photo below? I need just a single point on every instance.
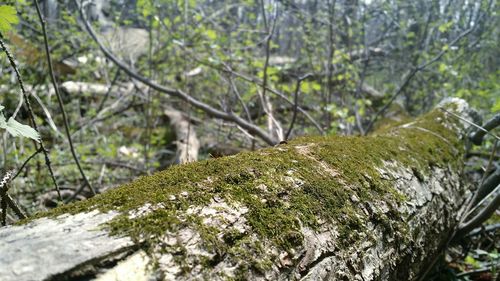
(245, 77)
(227, 116)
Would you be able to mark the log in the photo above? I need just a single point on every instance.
(317, 208)
(75, 87)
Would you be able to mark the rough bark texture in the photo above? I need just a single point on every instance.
(320, 208)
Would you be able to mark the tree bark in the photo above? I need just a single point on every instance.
(317, 208)
(187, 143)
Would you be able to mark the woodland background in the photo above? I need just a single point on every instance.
(230, 76)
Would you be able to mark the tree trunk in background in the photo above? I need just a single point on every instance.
(187, 143)
(317, 208)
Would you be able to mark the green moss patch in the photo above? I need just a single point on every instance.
(309, 180)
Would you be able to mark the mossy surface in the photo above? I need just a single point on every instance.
(326, 173)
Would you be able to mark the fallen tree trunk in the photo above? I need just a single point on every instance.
(317, 208)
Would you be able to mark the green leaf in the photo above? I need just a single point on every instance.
(472, 262)
(17, 129)
(167, 22)
(8, 17)
(305, 87)
(442, 68)
(496, 106)
(445, 26)
(494, 255)
(211, 34)
(316, 86)
(442, 28)
(272, 71)
(145, 7)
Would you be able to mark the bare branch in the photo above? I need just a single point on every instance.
(228, 116)
(59, 99)
(410, 74)
(30, 113)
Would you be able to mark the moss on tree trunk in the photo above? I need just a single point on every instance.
(340, 208)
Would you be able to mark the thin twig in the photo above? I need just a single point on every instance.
(466, 226)
(59, 99)
(4, 186)
(482, 155)
(475, 271)
(7, 199)
(51, 122)
(26, 162)
(271, 90)
(118, 164)
(4, 209)
(238, 96)
(328, 93)
(19, 213)
(494, 191)
(400, 89)
(19, 105)
(30, 113)
(100, 116)
(115, 78)
(296, 104)
(483, 215)
(226, 68)
(228, 116)
(482, 189)
(184, 36)
(470, 123)
(477, 137)
(411, 74)
(148, 103)
(484, 229)
(270, 32)
(366, 56)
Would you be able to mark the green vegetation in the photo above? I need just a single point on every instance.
(244, 74)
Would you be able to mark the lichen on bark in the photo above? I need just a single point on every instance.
(259, 211)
